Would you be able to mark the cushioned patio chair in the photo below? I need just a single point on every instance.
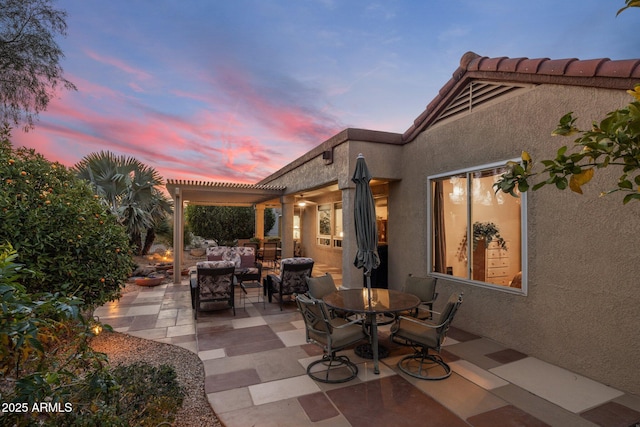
(425, 289)
(332, 335)
(321, 286)
(213, 282)
(424, 336)
(292, 278)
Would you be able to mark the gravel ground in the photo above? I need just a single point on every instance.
(126, 349)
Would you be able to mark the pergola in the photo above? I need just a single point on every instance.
(214, 193)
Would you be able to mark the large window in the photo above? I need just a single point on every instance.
(477, 235)
(324, 225)
(329, 229)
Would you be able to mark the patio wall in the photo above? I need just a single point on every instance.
(581, 311)
(314, 173)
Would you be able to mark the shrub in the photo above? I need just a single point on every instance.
(45, 359)
(44, 355)
(148, 395)
(65, 237)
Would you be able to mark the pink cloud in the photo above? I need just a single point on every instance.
(272, 109)
(239, 132)
(119, 64)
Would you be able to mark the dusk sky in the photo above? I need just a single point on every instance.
(234, 90)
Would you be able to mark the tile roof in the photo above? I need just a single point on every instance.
(603, 72)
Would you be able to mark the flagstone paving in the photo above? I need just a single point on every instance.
(255, 372)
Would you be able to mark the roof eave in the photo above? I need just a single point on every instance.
(602, 73)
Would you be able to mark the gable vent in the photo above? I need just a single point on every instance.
(477, 94)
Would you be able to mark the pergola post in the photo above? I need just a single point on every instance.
(259, 221)
(178, 235)
(286, 225)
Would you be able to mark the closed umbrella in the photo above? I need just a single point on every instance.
(364, 211)
(365, 221)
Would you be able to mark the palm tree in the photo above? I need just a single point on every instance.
(129, 190)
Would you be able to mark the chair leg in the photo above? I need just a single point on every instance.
(418, 364)
(334, 364)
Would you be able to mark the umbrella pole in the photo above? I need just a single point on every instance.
(373, 319)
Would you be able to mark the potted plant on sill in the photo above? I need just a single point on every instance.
(488, 232)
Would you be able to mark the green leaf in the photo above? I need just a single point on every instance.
(626, 184)
(630, 197)
(539, 185)
(562, 183)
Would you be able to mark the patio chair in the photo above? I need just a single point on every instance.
(213, 282)
(332, 335)
(321, 286)
(270, 254)
(425, 289)
(423, 336)
(254, 245)
(292, 278)
(249, 272)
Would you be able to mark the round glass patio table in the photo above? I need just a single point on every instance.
(372, 302)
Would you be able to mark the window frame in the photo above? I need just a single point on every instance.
(321, 238)
(336, 237)
(523, 230)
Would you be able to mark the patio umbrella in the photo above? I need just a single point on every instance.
(365, 221)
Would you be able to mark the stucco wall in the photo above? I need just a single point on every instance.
(383, 161)
(581, 311)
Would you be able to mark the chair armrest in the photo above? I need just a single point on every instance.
(353, 322)
(420, 322)
(423, 307)
(273, 278)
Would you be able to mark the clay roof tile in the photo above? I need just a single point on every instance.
(510, 65)
(556, 67)
(586, 68)
(491, 64)
(530, 66)
(622, 68)
(474, 64)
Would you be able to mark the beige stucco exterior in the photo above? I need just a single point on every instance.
(580, 309)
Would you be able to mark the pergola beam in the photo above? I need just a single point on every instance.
(214, 193)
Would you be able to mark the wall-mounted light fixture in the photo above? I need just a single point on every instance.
(327, 156)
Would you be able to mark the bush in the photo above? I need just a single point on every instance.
(45, 359)
(44, 353)
(148, 395)
(65, 237)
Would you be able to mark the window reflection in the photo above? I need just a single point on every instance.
(475, 234)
